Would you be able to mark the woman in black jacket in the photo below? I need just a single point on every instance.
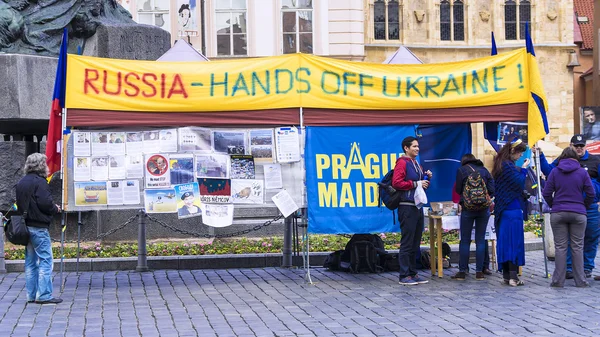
(33, 197)
(473, 181)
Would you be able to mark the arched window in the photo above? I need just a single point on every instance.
(458, 18)
(386, 20)
(516, 14)
(452, 20)
(524, 16)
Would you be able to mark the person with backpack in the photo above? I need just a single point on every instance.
(591, 164)
(476, 188)
(408, 174)
(569, 192)
(508, 219)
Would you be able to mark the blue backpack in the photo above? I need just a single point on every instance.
(388, 194)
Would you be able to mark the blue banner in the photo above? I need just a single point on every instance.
(442, 147)
(344, 165)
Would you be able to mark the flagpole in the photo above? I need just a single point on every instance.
(540, 219)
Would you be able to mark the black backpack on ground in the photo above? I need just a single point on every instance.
(366, 253)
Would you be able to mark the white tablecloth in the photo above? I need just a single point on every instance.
(450, 222)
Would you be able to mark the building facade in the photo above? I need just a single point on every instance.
(250, 28)
(371, 30)
(455, 30)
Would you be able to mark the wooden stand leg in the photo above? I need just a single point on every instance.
(432, 245)
(439, 248)
(494, 261)
(520, 271)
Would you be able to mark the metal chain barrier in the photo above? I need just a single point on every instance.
(208, 236)
(103, 235)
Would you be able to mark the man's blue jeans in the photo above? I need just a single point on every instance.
(467, 218)
(590, 241)
(38, 265)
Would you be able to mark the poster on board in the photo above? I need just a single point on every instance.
(157, 171)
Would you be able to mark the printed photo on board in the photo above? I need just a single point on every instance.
(230, 142)
(194, 139)
(242, 166)
(212, 166)
(188, 200)
(215, 190)
(590, 123)
(509, 130)
(182, 169)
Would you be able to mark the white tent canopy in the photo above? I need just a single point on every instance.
(182, 52)
(402, 56)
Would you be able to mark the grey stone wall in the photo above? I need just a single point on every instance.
(132, 42)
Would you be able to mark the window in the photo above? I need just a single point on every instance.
(230, 18)
(297, 26)
(386, 19)
(155, 13)
(452, 20)
(512, 11)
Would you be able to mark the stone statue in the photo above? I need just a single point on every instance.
(35, 26)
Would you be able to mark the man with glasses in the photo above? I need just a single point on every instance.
(591, 164)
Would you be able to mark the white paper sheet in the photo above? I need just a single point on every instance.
(131, 192)
(151, 141)
(99, 144)
(273, 178)
(134, 143)
(116, 143)
(135, 166)
(99, 168)
(217, 215)
(157, 171)
(168, 140)
(284, 202)
(288, 144)
(81, 169)
(115, 192)
(81, 145)
(247, 191)
(117, 168)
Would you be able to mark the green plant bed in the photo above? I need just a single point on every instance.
(318, 243)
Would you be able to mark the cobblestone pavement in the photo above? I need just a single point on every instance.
(277, 302)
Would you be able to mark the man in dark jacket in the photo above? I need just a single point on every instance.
(480, 216)
(591, 164)
(33, 197)
(408, 174)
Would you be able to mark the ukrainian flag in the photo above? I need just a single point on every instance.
(537, 119)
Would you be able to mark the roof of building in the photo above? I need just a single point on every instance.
(577, 38)
(585, 8)
(588, 72)
(182, 51)
(403, 56)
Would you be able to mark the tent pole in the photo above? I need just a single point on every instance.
(540, 218)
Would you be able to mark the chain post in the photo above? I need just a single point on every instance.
(286, 261)
(79, 224)
(142, 264)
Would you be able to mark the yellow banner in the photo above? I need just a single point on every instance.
(296, 80)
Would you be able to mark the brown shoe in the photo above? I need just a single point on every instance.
(479, 276)
(596, 278)
(461, 275)
(487, 271)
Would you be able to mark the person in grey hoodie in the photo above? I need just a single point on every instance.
(569, 192)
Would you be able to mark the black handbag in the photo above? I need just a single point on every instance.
(16, 229)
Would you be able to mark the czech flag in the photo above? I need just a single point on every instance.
(58, 102)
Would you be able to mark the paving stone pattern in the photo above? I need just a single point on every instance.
(278, 302)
